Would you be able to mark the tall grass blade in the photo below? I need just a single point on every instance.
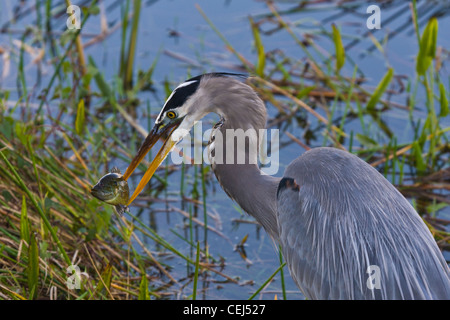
(24, 223)
(21, 78)
(197, 267)
(267, 281)
(143, 288)
(444, 101)
(61, 62)
(414, 18)
(124, 38)
(33, 267)
(42, 214)
(283, 285)
(79, 47)
(132, 45)
(261, 63)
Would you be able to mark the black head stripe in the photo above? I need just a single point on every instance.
(181, 94)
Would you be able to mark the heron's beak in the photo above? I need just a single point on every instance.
(154, 135)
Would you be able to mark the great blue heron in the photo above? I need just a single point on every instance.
(339, 222)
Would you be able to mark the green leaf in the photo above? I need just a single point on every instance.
(261, 63)
(79, 121)
(66, 92)
(366, 141)
(340, 51)
(33, 267)
(427, 128)
(107, 276)
(444, 101)
(381, 88)
(427, 47)
(305, 92)
(21, 132)
(143, 289)
(417, 151)
(24, 223)
(435, 207)
(66, 67)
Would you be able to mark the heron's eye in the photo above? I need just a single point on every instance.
(171, 115)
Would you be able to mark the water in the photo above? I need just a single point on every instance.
(176, 28)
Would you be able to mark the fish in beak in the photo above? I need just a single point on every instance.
(158, 131)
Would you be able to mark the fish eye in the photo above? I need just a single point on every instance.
(171, 115)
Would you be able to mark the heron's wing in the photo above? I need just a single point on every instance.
(337, 216)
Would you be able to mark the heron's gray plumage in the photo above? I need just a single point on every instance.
(230, 98)
(345, 217)
(333, 214)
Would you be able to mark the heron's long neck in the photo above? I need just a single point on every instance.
(244, 182)
(253, 191)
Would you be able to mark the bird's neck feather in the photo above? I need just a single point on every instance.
(245, 183)
(254, 191)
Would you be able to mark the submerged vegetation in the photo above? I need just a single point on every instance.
(59, 133)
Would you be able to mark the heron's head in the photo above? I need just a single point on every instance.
(187, 104)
